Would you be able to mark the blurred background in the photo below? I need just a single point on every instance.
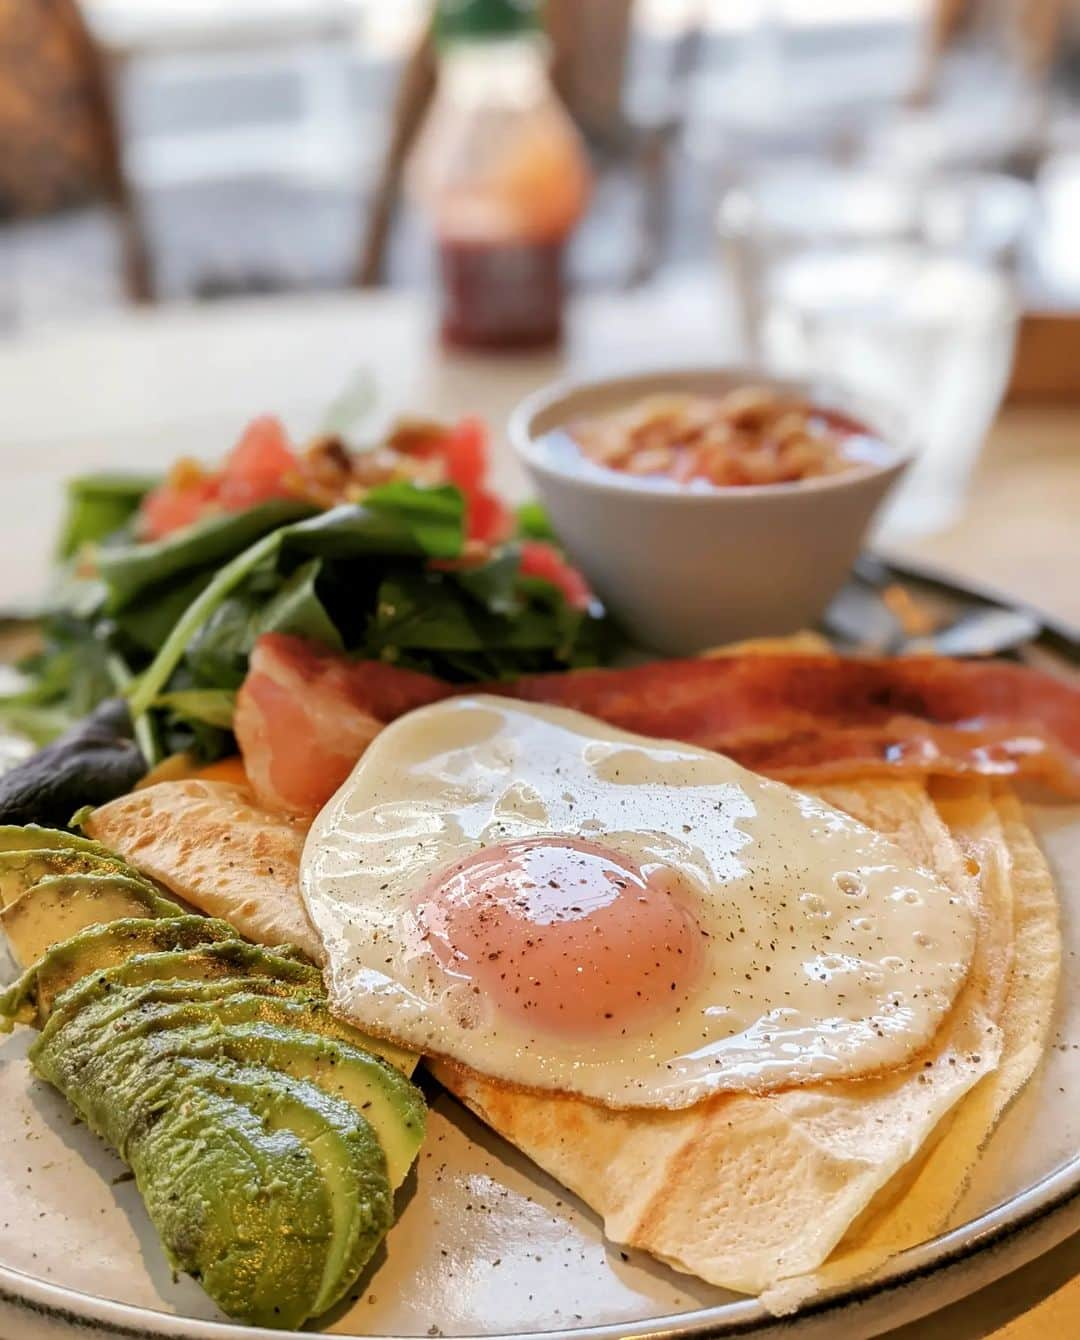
(885, 190)
(246, 142)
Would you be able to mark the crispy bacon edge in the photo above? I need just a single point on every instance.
(305, 715)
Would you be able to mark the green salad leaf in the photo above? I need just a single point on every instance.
(99, 505)
(171, 623)
(131, 569)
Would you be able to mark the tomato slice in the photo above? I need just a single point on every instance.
(258, 466)
(465, 451)
(488, 518)
(543, 560)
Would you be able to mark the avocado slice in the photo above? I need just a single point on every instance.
(392, 1105)
(231, 965)
(21, 869)
(345, 1149)
(60, 906)
(30, 998)
(298, 999)
(238, 1201)
(243, 1208)
(25, 837)
(282, 1034)
(119, 1079)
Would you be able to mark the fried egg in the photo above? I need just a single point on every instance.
(561, 905)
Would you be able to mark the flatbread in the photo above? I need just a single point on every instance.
(744, 1191)
(210, 844)
(1019, 925)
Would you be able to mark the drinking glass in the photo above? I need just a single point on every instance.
(926, 333)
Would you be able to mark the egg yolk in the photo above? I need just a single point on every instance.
(565, 935)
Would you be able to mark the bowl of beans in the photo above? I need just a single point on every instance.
(709, 505)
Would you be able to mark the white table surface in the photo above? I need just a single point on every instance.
(136, 391)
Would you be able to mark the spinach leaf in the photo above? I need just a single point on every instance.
(394, 519)
(421, 610)
(99, 505)
(149, 619)
(435, 517)
(129, 570)
(297, 608)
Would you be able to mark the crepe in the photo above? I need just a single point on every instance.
(1020, 895)
(211, 845)
(753, 1192)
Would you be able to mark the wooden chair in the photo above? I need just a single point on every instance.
(1037, 27)
(59, 146)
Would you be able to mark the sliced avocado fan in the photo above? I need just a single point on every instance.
(122, 1082)
(265, 1135)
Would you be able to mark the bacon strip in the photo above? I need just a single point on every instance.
(820, 717)
(305, 715)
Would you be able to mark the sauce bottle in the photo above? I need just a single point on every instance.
(502, 173)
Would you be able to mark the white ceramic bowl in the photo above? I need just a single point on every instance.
(683, 569)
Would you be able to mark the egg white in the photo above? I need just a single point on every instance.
(825, 954)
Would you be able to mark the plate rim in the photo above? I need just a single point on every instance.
(1010, 1221)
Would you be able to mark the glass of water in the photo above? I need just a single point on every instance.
(926, 333)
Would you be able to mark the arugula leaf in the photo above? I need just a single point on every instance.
(129, 570)
(99, 505)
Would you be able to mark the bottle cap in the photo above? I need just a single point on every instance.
(484, 20)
